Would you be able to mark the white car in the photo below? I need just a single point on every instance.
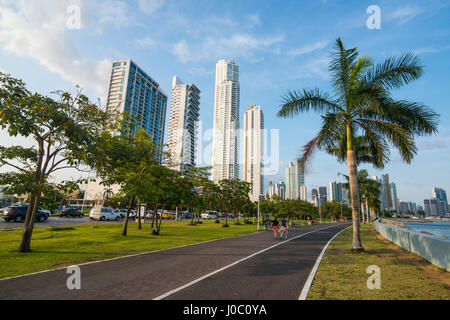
(105, 214)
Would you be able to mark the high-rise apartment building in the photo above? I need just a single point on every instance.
(388, 193)
(183, 125)
(295, 178)
(272, 191)
(337, 191)
(315, 197)
(225, 146)
(281, 190)
(253, 150)
(440, 194)
(323, 194)
(132, 90)
(303, 193)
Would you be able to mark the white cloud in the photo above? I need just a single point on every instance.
(308, 49)
(253, 20)
(150, 6)
(182, 51)
(315, 68)
(114, 12)
(404, 14)
(145, 42)
(238, 45)
(27, 29)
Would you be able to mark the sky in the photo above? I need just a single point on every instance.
(279, 46)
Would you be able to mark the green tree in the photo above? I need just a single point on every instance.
(63, 131)
(362, 105)
(129, 160)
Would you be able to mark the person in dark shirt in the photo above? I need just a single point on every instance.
(283, 229)
(275, 225)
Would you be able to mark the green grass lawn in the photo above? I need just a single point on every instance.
(69, 245)
(342, 274)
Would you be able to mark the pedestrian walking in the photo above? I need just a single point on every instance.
(284, 229)
(275, 225)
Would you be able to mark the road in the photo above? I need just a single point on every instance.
(53, 221)
(247, 267)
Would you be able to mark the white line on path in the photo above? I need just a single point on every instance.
(310, 279)
(165, 295)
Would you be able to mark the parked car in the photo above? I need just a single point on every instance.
(70, 212)
(18, 213)
(121, 212)
(208, 215)
(105, 214)
(47, 212)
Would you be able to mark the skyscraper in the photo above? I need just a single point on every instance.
(295, 178)
(388, 193)
(323, 194)
(281, 190)
(272, 190)
(303, 193)
(183, 124)
(253, 150)
(132, 90)
(225, 146)
(336, 193)
(440, 194)
(315, 197)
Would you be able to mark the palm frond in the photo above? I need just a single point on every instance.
(395, 72)
(296, 102)
(340, 67)
(400, 138)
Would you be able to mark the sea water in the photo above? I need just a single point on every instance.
(438, 228)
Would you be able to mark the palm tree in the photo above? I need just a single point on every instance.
(361, 105)
(369, 191)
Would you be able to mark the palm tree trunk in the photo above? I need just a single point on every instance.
(354, 192)
(367, 211)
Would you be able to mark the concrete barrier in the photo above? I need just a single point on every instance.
(433, 249)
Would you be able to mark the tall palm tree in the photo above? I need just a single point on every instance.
(361, 105)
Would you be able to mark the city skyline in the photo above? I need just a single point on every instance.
(273, 57)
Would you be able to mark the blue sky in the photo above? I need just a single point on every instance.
(279, 45)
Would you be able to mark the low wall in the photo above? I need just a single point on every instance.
(432, 249)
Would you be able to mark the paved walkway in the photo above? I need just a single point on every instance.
(277, 273)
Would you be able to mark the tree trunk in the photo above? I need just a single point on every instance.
(125, 222)
(354, 192)
(363, 213)
(155, 214)
(367, 211)
(139, 217)
(25, 244)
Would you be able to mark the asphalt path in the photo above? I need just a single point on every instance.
(261, 268)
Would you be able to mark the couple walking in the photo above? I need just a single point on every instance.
(283, 229)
